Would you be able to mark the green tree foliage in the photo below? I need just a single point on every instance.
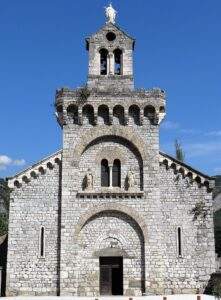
(5, 196)
(214, 285)
(179, 151)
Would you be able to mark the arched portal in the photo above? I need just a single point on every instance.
(114, 243)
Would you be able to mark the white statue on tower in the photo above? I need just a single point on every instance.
(110, 13)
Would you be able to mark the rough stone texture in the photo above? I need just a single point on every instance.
(139, 224)
(32, 206)
(192, 269)
(98, 41)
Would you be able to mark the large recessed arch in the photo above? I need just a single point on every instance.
(127, 134)
(130, 212)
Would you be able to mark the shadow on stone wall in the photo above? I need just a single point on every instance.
(3, 261)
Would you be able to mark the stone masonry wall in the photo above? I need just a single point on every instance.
(147, 208)
(190, 272)
(32, 206)
(99, 41)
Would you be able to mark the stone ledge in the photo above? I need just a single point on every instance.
(159, 297)
(110, 194)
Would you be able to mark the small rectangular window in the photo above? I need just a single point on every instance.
(42, 242)
(179, 241)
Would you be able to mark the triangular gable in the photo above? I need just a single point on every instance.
(109, 26)
(186, 170)
(35, 170)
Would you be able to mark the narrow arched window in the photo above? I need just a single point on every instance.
(42, 242)
(105, 177)
(103, 61)
(118, 62)
(116, 173)
(179, 241)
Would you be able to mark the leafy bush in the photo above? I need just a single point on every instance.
(3, 224)
(5, 196)
(200, 209)
(214, 285)
(216, 289)
(83, 93)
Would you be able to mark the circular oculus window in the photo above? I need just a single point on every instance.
(111, 36)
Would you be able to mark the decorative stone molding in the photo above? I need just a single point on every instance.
(127, 134)
(154, 98)
(78, 117)
(186, 171)
(35, 171)
(110, 252)
(108, 194)
(112, 207)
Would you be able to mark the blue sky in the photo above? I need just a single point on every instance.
(178, 48)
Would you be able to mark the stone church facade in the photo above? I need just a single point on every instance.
(110, 214)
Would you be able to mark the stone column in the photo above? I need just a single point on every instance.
(111, 64)
(80, 117)
(110, 175)
(126, 116)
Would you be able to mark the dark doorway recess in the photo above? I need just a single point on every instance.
(111, 275)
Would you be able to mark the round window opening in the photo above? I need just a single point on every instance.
(111, 36)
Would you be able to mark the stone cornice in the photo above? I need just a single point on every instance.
(35, 170)
(110, 193)
(186, 171)
(49, 162)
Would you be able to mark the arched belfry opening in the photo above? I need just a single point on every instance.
(103, 61)
(118, 62)
(110, 58)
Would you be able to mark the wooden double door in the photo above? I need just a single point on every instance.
(111, 275)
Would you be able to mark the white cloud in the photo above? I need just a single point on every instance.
(6, 161)
(169, 125)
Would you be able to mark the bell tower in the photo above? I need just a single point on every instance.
(110, 57)
(110, 172)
